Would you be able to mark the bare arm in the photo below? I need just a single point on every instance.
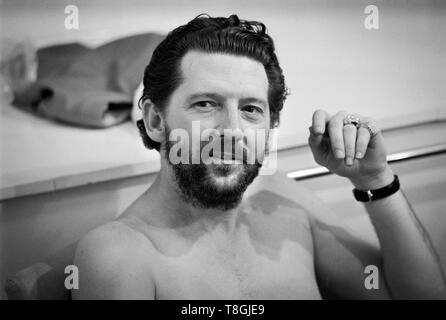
(110, 266)
(408, 261)
(341, 255)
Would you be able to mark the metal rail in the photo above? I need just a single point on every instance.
(393, 158)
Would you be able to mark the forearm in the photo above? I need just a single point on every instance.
(411, 265)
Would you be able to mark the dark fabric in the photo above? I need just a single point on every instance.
(43, 280)
(89, 87)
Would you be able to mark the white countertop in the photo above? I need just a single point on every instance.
(41, 155)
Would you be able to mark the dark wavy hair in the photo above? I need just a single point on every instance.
(211, 35)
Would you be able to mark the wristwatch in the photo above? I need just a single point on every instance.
(371, 195)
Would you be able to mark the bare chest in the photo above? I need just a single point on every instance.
(252, 271)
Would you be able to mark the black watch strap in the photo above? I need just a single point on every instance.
(371, 195)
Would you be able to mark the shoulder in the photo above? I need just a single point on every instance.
(109, 260)
(108, 239)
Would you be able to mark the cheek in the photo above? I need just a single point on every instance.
(189, 121)
(256, 143)
(191, 131)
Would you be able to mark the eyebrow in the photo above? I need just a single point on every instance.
(217, 96)
(211, 95)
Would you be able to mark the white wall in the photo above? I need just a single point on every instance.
(330, 60)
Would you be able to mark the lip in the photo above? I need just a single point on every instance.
(227, 157)
(218, 160)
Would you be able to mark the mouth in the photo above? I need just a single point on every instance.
(226, 158)
(217, 160)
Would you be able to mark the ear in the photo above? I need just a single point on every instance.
(153, 121)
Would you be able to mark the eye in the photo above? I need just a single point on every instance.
(252, 109)
(205, 104)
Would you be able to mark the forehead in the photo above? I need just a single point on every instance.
(226, 74)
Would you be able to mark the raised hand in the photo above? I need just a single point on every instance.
(350, 146)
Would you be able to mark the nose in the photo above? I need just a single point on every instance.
(231, 123)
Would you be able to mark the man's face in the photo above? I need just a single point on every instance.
(220, 93)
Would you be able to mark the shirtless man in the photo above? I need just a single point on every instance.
(220, 231)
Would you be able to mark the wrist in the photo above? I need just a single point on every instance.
(375, 181)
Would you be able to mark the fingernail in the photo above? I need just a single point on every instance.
(349, 161)
(318, 129)
(358, 155)
(339, 154)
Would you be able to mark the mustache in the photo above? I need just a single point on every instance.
(228, 149)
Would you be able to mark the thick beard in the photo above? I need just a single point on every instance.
(197, 187)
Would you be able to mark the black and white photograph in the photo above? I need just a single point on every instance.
(236, 150)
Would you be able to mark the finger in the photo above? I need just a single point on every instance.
(377, 138)
(319, 146)
(320, 119)
(335, 131)
(314, 140)
(362, 141)
(349, 143)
